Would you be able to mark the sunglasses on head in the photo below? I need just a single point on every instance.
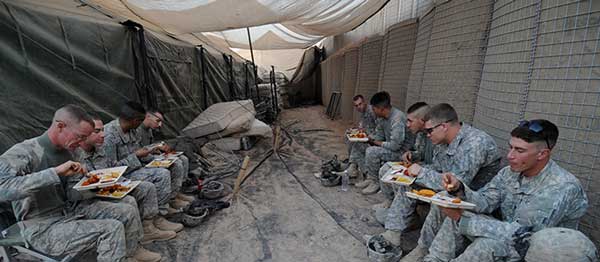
(536, 127)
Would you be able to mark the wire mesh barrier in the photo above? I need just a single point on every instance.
(505, 70)
(396, 59)
(417, 68)
(369, 63)
(349, 83)
(455, 55)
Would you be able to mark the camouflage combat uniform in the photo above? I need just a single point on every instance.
(144, 193)
(180, 167)
(553, 198)
(422, 152)
(49, 218)
(392, 131)
(119, 148)
(368, 121)
(472, 156)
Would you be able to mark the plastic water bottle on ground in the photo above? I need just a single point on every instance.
(345, 181)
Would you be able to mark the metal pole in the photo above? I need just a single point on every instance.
(253, 64)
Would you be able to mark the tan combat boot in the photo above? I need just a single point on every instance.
(144, 255)
(371, 189)
(363, 184)
(151, 233)
(178, 203)
(353, 171)
(185, 198)
(163, 224)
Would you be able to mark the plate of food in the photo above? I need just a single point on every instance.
(356, 135)
(118, 190)
(451, 202)
(165, 163)
(398, 175)
(169, 155)
(439, 199)
(422, 194)
(100, 177)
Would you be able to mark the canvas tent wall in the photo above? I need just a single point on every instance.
(61, 52)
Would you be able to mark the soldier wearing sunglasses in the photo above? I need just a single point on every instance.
(469, 153)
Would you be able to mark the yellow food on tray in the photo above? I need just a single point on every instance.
(401, 179)
(456, 201)
(158, 163)
(424, 192)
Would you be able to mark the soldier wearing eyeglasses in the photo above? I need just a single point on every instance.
(532, 193)
(469, 153)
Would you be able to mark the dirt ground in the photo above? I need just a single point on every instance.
(286, 215)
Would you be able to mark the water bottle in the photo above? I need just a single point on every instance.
(345, 181)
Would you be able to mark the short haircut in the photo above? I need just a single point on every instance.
(549, 132)
(381, 100)
(132, 110)
(95, 116)
(441, 113)
(419, 108)
(72, 114)
(154, 110)
(356, 97)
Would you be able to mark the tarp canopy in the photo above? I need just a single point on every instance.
(275, 24)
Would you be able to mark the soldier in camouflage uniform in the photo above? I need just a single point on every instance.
(469, 153)
(388, 142)
(180, 168)
(421, 152)
(532, 193)
(368, 123)
(121, 147)
(156, 228)
(49, 218)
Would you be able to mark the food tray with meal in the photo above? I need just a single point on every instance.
(118, 190)
(398, 175)
(355, 135)
(100, 178)
(439, 199)
(169, 155)
(165, 163)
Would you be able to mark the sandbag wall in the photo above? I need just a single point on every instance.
(542, 62)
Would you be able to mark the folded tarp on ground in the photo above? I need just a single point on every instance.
(235, 116)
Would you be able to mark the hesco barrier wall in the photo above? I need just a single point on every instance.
(497, 63)
(369, 63)
(396, 59)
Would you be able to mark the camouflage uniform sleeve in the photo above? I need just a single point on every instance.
(379, 135)
(465, 166)
(111, 154)
(13, 187)
(397, 137)
(488, 198)
(566, 205)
